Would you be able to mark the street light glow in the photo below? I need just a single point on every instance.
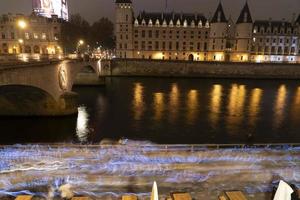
(22, 24)
(21, 41)
(81, 42)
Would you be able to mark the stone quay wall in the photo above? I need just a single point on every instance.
(162, 68)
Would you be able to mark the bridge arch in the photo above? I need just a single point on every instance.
(25, 100)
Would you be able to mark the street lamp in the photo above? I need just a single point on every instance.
(22, 24)
(80, 42)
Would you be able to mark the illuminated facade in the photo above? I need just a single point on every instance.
(29, 35)
(186, 36)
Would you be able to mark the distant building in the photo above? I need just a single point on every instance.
(29, 35)
(192, 36)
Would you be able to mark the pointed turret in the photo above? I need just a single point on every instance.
(219, 16)
(245, 16)
(298, 19)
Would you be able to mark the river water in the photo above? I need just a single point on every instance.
(147, 112)
(172, 111)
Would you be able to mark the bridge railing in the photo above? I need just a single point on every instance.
(166, 147)
(24, 58)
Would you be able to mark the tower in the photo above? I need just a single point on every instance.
(217, 39)
(124, 29)
(243, 35)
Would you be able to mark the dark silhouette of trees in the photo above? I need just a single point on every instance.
(101, 33)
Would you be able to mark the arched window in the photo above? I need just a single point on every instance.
(293, 50)
(27, 49)
(36, 49)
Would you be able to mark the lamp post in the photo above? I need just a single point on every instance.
(22, 24)
(80, 43)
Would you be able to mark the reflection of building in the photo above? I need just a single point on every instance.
(182, 36)
(38, 35)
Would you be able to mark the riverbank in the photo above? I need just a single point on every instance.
(166, 68)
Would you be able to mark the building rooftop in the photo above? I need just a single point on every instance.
(272, 24)
(219, 16)
(298, 19)
(245, 16)
(182, 17)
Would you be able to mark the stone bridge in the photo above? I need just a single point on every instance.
(44, 89)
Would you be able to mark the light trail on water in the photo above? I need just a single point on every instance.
(111, 171)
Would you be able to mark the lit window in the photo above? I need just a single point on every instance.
(27, 36)
(35, 36)
(44, 37)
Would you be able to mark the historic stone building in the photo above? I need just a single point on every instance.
(29, 35)
(192, 36)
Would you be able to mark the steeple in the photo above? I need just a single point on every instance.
(219, 16)
(245, 16)
(298, 19)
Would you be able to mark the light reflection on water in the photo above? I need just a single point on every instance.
(215, 105)
(174, 103)
(172, 111)
(255, 106)
(235, 108)
(279, 106)
(82, 128)
(158, 106)
(138, 101)
(192, 104)
(213, 108)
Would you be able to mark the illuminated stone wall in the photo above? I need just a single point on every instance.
(154, 68)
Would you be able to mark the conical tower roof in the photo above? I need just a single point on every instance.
(245, 16)
(219, 16)
(298, 19)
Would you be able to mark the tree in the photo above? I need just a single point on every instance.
(75, 29)
(102, 33)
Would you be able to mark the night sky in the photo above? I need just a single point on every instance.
(95, 9)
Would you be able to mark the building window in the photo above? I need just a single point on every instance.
(35, 36)
(44, 37)
(27, 36)
(143, 45)
(143, 34)
(170, 45)
(163, 45)
(150, 34)
(157, 33)
(156, 45)
(3, 36)
(12, 35)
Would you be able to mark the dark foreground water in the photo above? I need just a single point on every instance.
(180, 111)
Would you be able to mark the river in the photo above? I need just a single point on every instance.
(172, 111)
